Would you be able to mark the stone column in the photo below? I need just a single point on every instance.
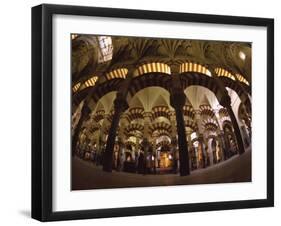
(210, 153)
(85, 111)
(222, 144)
(191, 148)
(189, 139)
(226, 145)
(174, 140)
(146, 124)
(173, 123)
(226, 102)
(97, 142)
(145, 141)
(197, 119)
(177, 99)
(245, 134)
(201, 143)
(155, 152)
(200, 136)
(121, 139)
(137, 152)
(137, 146)
(103, 130)
(146, 129)
(120, 105)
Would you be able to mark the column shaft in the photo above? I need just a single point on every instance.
(177, 100)
(119, 106)
(237, 132)
(183, 149)
(226, 102)
(84, 112)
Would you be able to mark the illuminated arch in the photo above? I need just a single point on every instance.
(191, 124)
(89, 82)
(160, 126)
(206, 110)
(99, 115)
(160, 111)
(242, 79)
(134, 127)
(142, 89)
(210, 124)
(224, 73)
(198, 80)
(76, 87)
(152, 68)
(188, 111)
(135, 113)
(160, 132)
(117, 73)
(194, 67)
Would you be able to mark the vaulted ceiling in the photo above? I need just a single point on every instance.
(131, 52)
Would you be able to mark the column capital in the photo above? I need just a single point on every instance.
(145, 141)
(200, 137)
(177, 99)
(174, 141)
(172, 114)
(197, 112)
(226, 101)
(147, 114)
(85, 110)
(124, 118)
(120, 104)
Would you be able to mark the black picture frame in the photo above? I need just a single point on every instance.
(42, 95)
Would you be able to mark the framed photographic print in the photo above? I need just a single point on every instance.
(147, 112)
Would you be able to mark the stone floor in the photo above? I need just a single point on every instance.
(86, 175)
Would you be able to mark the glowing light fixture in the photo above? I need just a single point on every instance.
(242, 55)
(193, 135)
(73, 36)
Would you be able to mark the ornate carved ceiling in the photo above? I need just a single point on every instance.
(131, 52)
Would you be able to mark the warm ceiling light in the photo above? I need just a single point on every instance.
(73, 36)
(242, 55)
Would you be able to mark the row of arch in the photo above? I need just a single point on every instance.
(164, 81)
(158, 67)
(188, 81)
(163, 129)
(148, 82)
